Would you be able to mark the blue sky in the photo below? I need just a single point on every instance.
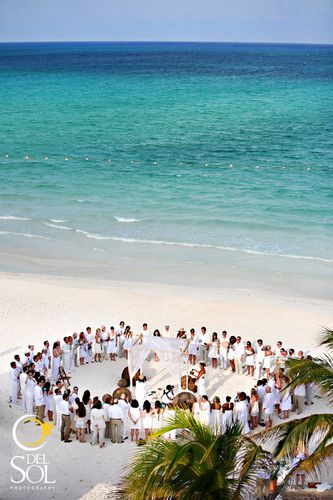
(308, 21)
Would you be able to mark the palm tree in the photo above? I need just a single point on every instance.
(314, 432)
(196, 465)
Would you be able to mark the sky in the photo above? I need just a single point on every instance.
(288, 21)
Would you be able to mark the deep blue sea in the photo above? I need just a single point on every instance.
(182, 152)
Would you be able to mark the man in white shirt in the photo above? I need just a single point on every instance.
(124, 406)
(89, 338)
(268, 407)
(260, 356)
(14, 377)
(39, 399)
(145, 331)
(299, 398)
(31, 353)
(57, 399)
(75, 346)
(74, 395)
(203, 345)
(239, 353)
(64, 410)
(66, 354)
(116, 422)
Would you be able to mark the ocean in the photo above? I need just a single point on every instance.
(184, 162)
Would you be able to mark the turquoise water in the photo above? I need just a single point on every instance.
(221, 148)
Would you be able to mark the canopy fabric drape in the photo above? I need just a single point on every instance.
(168, 350)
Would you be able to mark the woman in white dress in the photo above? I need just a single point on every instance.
(231, 353)
(268, 360)
(241, 412)
(82, 349)
(254, 409)
(196, 409)
(205, 411)
(80, 423)
(157, 416)
(147, 418)
(227, 414)
(56, 360)
(112, 347)
(216, 416)
(134, 415)
(249, 358)
(141, 390)
(213, 352)
(97, 346)
(201, 380)
(30, 385)
(86, 400)
(48, 401)
(127, 342)
(168, 415)
(193, 347)
(285, 402)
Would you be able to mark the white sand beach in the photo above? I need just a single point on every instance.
(35, 308)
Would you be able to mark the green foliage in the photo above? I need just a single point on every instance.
(197, 465)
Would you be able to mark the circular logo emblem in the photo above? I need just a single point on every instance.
(41, 430)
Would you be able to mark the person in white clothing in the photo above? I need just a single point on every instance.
(66, 352)
(259, 358)
(23, 386)
(104, 338)
(299, 398)
(89, 340)
(39, 399)
(120, 338)
(57, 398)
(224, 344)
(239, 353)
(193, 347)
(124, 404)
(268, 407)
(203, 345)
(98, 424)
(241, 412)
(141, 390)
(116, 422)
(30, 384)
(205, 411)
(14, 377)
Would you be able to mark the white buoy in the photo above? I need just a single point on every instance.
(46, 158)
(132, 161)
(257, 166)
(66, 158)
(283, 168)
(27, 157)
(181, 163)
(308, 168)
(87, 158)
(230, 165)
(206, 164)
(7, 156)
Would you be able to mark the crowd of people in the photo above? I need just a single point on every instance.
(38, 386)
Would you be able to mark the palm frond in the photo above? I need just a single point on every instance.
(299, 432)
(327, 338)
(318, 371)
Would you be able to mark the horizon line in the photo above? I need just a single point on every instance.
(166, 41)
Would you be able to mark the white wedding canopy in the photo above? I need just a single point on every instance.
(169, 350)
